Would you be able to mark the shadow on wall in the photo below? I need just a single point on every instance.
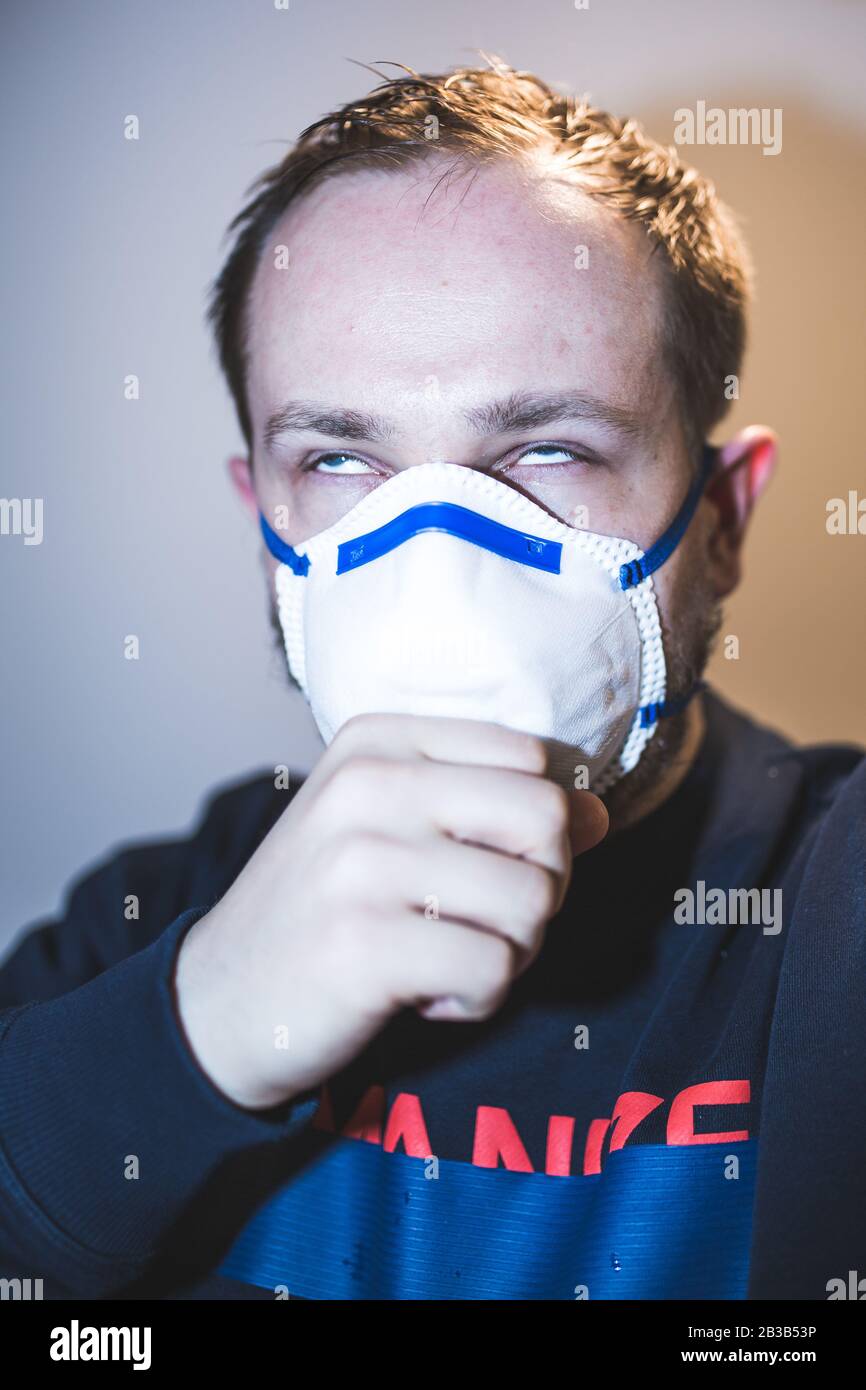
(799, 615)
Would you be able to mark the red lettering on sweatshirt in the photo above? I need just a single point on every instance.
(594, 1145)
(681, 1121)
(496, 1137)
(406, 1122)
(497, 1141)
(560, 1137)
(366, 1122)
(630, 1109)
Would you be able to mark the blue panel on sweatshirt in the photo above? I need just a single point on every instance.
(660, 1222)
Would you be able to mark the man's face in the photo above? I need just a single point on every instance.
(413, 304)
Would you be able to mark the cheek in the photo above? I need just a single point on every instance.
(684, 583)
(310, 503)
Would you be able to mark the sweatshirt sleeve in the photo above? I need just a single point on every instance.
(127, 900)
(114, 1145)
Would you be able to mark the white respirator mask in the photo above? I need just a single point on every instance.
(446, 592)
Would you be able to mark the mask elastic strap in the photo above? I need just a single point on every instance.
(664, 709)
(637, 570)
(281, 551)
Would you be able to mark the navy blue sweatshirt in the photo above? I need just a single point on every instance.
(669, 1105)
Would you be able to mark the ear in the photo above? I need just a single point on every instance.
(744, 466)
(241, 474)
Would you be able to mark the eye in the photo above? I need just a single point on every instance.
(548, 453)
(336, 463)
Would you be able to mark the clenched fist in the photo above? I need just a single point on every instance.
(324, 932)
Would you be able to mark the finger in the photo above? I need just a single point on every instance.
(447, 880)
(588, 822)
(477, 742)
(425, 960)
(515, 812)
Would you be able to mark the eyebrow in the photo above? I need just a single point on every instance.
(526, 410)
(522, 410)
(333, 420)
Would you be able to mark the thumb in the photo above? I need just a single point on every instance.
(589, 821)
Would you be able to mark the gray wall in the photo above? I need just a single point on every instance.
(109, 246)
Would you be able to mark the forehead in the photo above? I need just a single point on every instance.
(483, 279)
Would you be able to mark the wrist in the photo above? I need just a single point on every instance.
(210, 1017)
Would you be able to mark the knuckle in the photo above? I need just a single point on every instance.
(357, 727)
(356, 781)
(495, 971)
(554, 806)
(354, 862)
(537, 896)
(535, 750)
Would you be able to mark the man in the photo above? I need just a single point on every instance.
(548, 981)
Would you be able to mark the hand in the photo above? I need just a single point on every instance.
(418, 865)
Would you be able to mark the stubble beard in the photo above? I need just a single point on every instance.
(688, 647)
